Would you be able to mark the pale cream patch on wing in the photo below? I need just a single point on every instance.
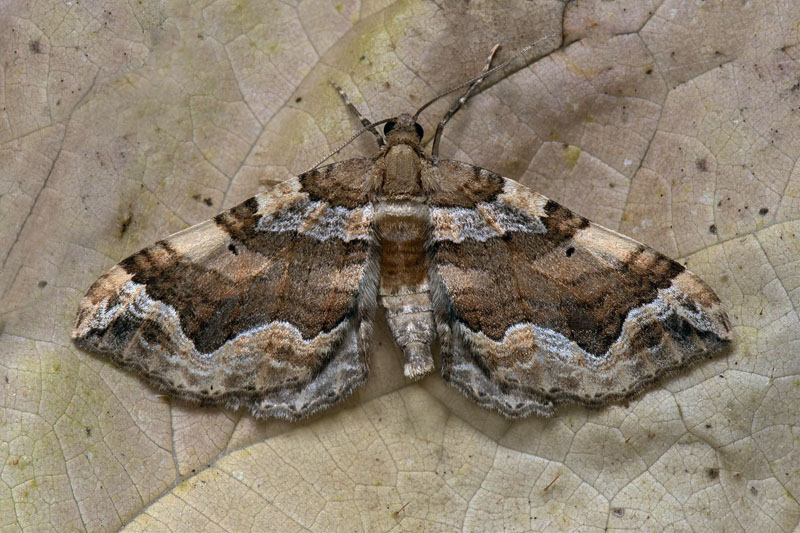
(604, 242)
(95, 310)
(696, 289)
(520, 197)
(107, 285)
(281, 196)
(199, 242)
(712, 314)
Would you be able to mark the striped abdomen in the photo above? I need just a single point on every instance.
(404, 291)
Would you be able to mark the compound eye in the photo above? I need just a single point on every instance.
(389, 127)
(419, 130)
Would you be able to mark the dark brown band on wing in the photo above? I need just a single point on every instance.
(465, 186)
(339, 184)
(299, 282)
(561, 221)
(547, 280)
(215, 308)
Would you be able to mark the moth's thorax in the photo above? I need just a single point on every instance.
(401, 172)
(403, 166)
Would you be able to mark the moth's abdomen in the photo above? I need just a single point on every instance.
(404, 291)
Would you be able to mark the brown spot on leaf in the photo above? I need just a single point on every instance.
(702, 164)
(124, 224)
(207, 200)
(35, 46)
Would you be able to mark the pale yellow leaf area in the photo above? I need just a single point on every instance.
(675, 122)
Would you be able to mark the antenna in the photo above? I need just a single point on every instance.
(348, 141)
(480, 76)
(475, 80)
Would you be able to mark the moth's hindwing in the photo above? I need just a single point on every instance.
(536, 306)
(267, 306)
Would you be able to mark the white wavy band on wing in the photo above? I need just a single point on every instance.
(486, 221)
(558, 356)
(246, 349)
(320, 221)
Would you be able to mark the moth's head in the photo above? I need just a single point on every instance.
(403, 129)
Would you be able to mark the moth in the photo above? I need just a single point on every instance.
(270, 305)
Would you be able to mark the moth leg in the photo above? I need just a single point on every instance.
(354, 110)
(460, 102)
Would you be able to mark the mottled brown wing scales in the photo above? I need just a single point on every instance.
(266, 306)
(560, 310)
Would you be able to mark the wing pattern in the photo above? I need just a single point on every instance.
(536, 306)
(268, 306)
